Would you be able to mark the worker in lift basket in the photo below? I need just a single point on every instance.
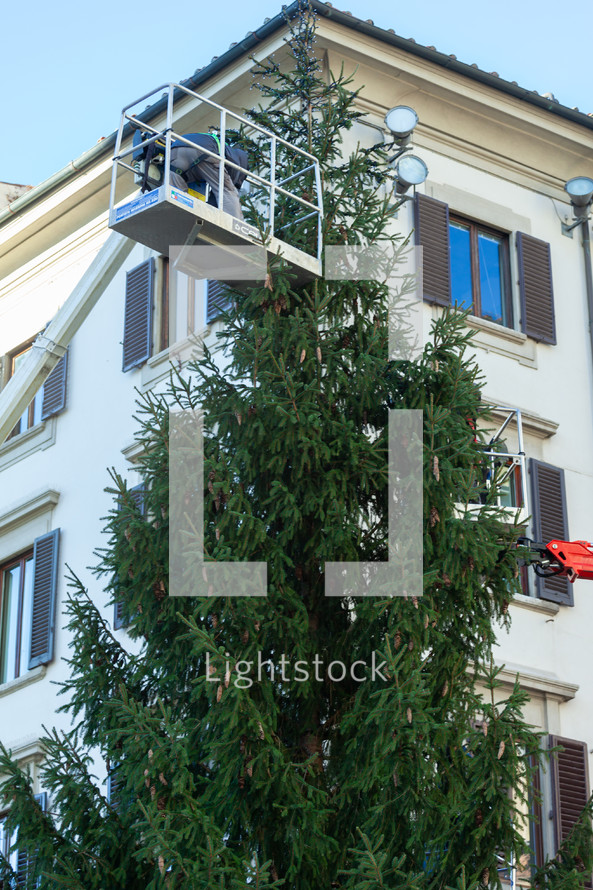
(191, 165)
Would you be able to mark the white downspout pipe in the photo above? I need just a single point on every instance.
(50, 346)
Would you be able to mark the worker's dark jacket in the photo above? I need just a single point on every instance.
(236, 155)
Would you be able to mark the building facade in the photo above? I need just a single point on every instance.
(489, 218)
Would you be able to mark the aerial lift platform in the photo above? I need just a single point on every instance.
(163, 216)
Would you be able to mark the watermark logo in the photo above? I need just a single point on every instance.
(244, 672)
(401, 574)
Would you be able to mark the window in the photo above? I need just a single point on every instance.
(480, 274)
(27, 608)
(32, 415)
(6, 841)
(467, 263)
(120, 618)
(20, 863)
(49, 400)
(16, 597)
(150, 294)
(528, 823)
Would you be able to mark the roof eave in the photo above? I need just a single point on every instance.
(250, 42)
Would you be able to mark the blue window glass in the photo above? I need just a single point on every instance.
(461, 266)
(479, 271)
(491, 280)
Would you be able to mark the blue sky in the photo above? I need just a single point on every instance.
(68, 68)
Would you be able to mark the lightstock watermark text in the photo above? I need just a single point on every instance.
(244, 672)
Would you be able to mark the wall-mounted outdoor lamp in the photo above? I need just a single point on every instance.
(580, 192)
(401, 120)
(409, 170)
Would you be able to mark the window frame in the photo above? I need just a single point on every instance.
(37, 400)
(162, 307)
(475, 229)
(17, 859)
(5, 567)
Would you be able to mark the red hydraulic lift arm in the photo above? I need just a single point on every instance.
(573, 559)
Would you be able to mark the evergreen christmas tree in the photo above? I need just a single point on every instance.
(218, 778)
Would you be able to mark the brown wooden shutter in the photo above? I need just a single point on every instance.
(431, 222)
(120, 619)
(218, 299)
(550, 521)
(535, 288)
(45, 583)
(54, 389)
(570, 785)
(138, 315)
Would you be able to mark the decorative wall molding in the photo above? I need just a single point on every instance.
(34, 505)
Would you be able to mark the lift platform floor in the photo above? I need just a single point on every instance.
(162, 219)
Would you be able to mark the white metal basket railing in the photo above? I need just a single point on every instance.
(304, 182)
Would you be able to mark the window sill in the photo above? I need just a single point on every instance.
(492, 337)
(512, 515)
(534, 604)
(31, 676)
(534, 424)
(158, 366)
(38, 438)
